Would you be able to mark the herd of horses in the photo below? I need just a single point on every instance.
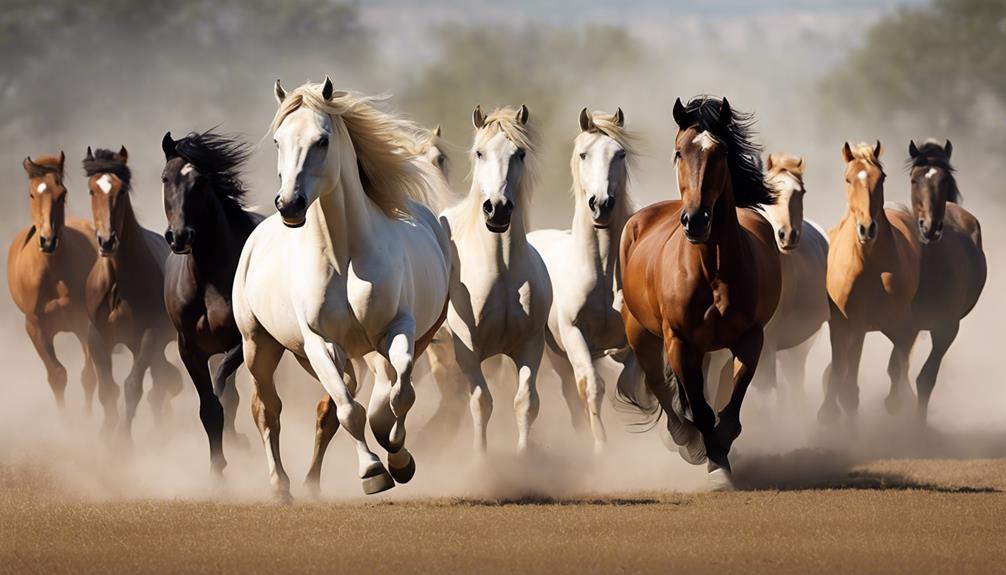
(365, 266)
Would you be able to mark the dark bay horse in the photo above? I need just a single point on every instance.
(207, 228)
(47, 267)
(701, 274)
(125, 288)
(953, 270)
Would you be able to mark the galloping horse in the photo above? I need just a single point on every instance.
(873, 276)
(803, 303)
(207, 227)
(585, 324)
(500, 291)
(350, 267)
(125, 289)
(701, 274)
(47, 267)
(953, 269)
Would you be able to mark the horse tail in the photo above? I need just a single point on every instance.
(633, 396)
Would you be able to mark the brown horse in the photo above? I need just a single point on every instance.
(873, 276)
(953, 269)
(47, 266)
(125, 289)
(702, 274)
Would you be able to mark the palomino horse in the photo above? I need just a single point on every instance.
(47, 267)
(585, 324)
(350, 267)
(803, 303)
(873, 276)
(702, 274)
(500, 291)
(125, 289)
(207, 227)
(953, 268)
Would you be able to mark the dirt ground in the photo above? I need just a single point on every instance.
(887, 516)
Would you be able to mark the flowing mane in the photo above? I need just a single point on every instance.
(108, 162)
(605, 124)
(220, 158)
(43, 165)
(932, 154)
(389, 174)
(742, 154)
(865, 152)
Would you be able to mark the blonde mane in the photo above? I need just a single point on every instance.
(389, 174)
(863, 151)
(605, 124)
(504, 120)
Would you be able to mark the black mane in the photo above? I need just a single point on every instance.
(108, 162)
(220, 158)
(743, 155)
(933, 155)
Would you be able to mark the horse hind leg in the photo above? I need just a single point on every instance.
(55, 372)
(897, 368)
(570, 391)
(446, 420)
(589, 383)
(167, 381)
(225, 389)
(943, 337)
(262, 354)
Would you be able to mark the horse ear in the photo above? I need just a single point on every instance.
(168, 146)
(726, 114)
(913, 150)
(62, 161)
(586, 122)
(478, 118)
(948, 148)
(681, 117)
(619, 118)
(27, 164)
(847, 153)
(328, 89)
(769, 162)
(437, 131)
(280, 92)
(89, 156)
(799, 162)
(522, 114)
(877, 150)
(123, 153)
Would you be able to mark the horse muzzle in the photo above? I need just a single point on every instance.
(601, 211)
(180, 241)
(48, 245)
(292, 212)
(866, 233)
(107, 246)
(788, 239)
(497, 215)
(698, 225)
(931, 233)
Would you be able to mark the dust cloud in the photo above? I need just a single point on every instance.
(763, 66)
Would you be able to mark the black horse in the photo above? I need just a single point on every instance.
(207, 228)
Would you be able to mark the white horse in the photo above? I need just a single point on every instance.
(350, 267)
(585, 324)
(500, 291)
(803, 305)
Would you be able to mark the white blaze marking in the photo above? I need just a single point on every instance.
(930, 173)
(862, 176)
(41, 187)
(186, 169)
(105, 183)
(705, 140)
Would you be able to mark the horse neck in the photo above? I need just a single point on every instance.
(724, 239)
(132, 243)
(345, 215)
(499, 248)
(221, 238)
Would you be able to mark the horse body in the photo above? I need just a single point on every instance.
(47, 267)
(349, 268)
(125, 290)
(500, 293)
(585, 324)
(207, 228)
(702, 274)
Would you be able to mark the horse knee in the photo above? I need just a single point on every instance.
(481, 402)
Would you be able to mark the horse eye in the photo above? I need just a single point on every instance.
(620, 154)
(583, 155)
(323, 142)
(441, 159)
(521, 153)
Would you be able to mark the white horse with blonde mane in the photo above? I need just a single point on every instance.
(585, 324)
(500, 291)
(351, 267)
(803, 304)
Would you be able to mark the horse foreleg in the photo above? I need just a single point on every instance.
(589, 383)
(747, 352)
(328, 362)
(793, 363)
(399, 348)
(480, 400)
(943, 337)
(897, 369)
(225, 389)
(450, 381)
(525, 402)
(108, 391)
(570, 394)
(262, 355)
(88, 376)
(211, 414)
(55, 372)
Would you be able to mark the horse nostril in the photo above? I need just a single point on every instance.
(507, 207)
(939, 226)
(487, 208)
(592, 203)
(782, 234)
(276, 202)
(299, 203)
(684, 219)
(169, 236)
(873, 229)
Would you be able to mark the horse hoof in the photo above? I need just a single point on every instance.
(895, 404)
(720, 480)
(283, 497)
(828, 414)
(405, 473)
(382, 481)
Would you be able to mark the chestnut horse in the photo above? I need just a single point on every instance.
(701, 274)
(47, 266)
(953, 269)
(207, 228)
(873, 275)
(125, 289)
